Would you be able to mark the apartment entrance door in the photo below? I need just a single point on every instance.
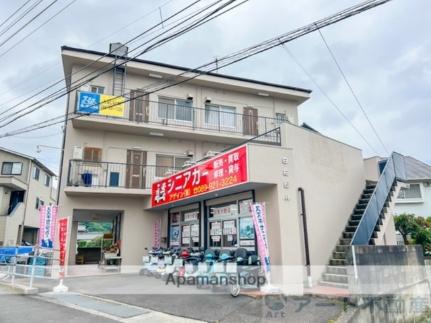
(135, 169)
(139, 106)
(249, 122)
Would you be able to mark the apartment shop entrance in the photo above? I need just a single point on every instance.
(219, 223)
(94, 233)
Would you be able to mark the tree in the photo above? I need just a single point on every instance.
(417, 228)
(406, 224)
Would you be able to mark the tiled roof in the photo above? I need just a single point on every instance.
(415, 169)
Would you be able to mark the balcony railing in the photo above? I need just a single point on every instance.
(109, 174)
(211, 118)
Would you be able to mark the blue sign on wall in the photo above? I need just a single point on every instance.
(88, 102)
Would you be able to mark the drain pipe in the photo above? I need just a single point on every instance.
(304, 225)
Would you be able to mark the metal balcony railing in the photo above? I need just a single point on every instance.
(108, 174)
(393, 171)
(212, 118)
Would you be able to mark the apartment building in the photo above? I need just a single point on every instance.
(25, 185)
(117, 159)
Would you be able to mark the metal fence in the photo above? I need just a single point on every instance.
(110, 174)
(36, 263)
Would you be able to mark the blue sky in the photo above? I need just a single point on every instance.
(384, 52)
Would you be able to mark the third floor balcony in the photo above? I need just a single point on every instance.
(178, 118)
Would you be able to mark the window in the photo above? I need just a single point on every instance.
(280, 118)
(166, 163)
(413, 192)
(36, 173)
(92, 154)
(220, 116)
(176, 109)
(231, 225)
(47, 180)
(39, 203)
(97, 89)
(11, 168)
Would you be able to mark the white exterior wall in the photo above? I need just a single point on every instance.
(419, 207)
(9, 224)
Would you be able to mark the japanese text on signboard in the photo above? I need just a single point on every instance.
(223, 171)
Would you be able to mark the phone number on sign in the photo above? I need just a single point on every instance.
(220, 183)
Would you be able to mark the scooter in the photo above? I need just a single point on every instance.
(164, 263)
(151, 262)
(172, 268)
(249, 270)
(192, 262)
(220, 269)
(205, 268)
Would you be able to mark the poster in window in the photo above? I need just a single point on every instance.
(246, 228)
(175, 236)
(215, 228)
(191, 216)
(215, 238)
(195, 230)
(175, 217)
(244, 207)
(186, 240)
(229, 227)
(186, 231)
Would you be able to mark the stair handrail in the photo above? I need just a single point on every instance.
(394, 170)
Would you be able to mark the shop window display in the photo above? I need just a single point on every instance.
(185, 229)
(231, 225)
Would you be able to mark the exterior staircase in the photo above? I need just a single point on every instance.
(366, 224)
(336, 271)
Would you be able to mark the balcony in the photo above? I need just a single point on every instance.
(158, 118)
(108, 178)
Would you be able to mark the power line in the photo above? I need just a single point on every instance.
(352, 91)
(333, 104)
(54, 120)
(90, 45)
(235, 57)
(191, 26)
(18, 19)
(14, 13)
(92, 62)
(28, 22)
(39, 27)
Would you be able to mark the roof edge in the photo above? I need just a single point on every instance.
(286, 87)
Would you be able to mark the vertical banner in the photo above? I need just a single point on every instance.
(259, 220)
(156, 233)
(47, 220)
(62, 236)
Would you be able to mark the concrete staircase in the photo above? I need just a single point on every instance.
(336, 271)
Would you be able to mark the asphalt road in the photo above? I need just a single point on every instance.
(16, 308)
(189, 302)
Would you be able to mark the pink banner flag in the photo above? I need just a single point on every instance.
(259, 220)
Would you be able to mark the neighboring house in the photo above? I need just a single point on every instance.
(416, 198)
(25, 185)
(113, 154)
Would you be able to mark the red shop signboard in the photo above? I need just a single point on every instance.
(225, 170)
